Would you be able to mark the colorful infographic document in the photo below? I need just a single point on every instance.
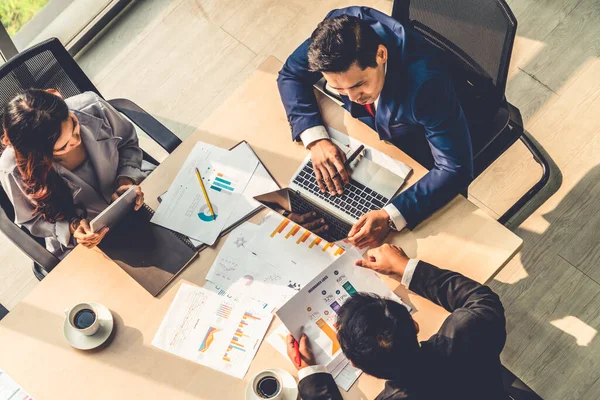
(9, 389)
(240, 271)
(213, 329)
(314, 309)
(295, 251)
(225, 175)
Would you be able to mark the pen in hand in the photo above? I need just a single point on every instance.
(297, 350)
(351, 158)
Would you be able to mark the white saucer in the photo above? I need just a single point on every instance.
(290, 388)
(83, 342)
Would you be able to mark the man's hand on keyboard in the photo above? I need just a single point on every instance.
(309, 221)
(370, 230)
(328, 163)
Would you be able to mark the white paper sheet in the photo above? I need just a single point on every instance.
(9, 389)
(260, 182)
(313, 310)
(239, 271)
(238, 297)
(184, 208)
(297, 253)
(213, 330)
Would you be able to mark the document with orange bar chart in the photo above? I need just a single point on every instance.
(213, 329)
(296, 252)
(314, 309)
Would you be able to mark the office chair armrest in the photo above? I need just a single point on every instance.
(27, 244)
(514, 116)
(157, 131)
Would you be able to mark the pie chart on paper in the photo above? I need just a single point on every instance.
(205, 215)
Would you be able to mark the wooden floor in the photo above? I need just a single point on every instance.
(180, 59)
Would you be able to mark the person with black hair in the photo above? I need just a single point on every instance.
(63, 161)
(394, 81)
(379, 336)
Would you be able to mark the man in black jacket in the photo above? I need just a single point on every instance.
(461, 361)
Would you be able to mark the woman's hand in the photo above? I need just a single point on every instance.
(123, 185)
(85, 237)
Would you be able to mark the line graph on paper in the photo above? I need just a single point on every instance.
(188, 320)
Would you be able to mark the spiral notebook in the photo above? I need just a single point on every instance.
(150, 254)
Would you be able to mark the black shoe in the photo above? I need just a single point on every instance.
(39, 272)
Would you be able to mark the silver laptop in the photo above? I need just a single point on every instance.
(371, 187)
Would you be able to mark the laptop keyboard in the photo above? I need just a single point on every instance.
(356, 200)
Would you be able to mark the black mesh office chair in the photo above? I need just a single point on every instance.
(49, 65)
(477, 38)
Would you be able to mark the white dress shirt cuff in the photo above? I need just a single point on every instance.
(314, 369)
(397, 218)
(408, 272)
(313, 134)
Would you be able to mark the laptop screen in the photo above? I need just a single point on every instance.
(304, 212)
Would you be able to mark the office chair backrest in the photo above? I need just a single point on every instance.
(46, 65)
(478, 37)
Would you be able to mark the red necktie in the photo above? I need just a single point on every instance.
(370, 109)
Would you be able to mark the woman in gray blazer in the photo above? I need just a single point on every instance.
(63, 162)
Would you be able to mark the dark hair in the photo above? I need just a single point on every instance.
(32, 123)
(377, 335)
(339, 42)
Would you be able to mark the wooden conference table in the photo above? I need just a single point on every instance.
(32, 348)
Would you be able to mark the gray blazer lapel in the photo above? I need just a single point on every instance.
(101, 149)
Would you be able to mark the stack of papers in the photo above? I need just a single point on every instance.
(272, 261)
(231, 179)
(213, 329)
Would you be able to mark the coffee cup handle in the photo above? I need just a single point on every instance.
(66, 310)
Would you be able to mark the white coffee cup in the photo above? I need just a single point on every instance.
(266, 380)
(75, 318)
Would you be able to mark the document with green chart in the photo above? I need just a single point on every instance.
(185, 208)
(314, 309)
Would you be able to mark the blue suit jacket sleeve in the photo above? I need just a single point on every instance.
(295, 84)
(437, 108)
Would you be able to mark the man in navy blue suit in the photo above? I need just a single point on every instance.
(394, 81)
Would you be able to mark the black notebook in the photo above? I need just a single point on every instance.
(150, 254)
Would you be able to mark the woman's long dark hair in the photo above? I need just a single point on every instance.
(32, 124)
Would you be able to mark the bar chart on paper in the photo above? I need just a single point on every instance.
(243, 339)
(211, 329)
(220, 183)
(298, 253)
(300, 236)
